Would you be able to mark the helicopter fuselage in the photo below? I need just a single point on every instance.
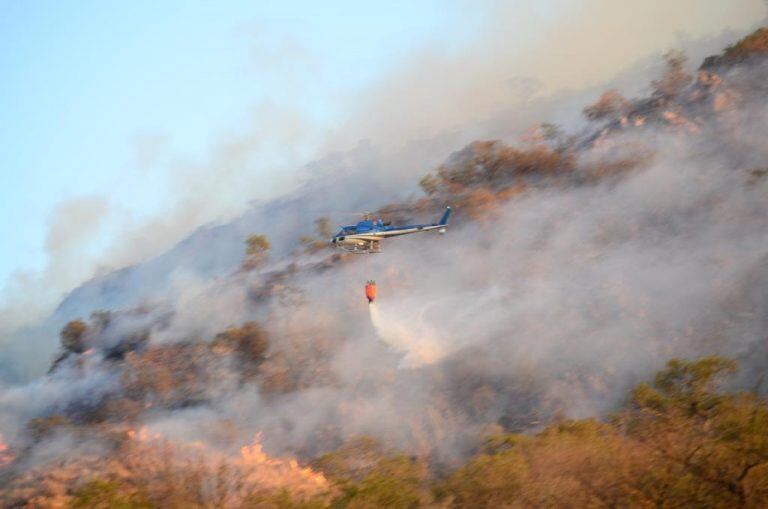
(364, 237)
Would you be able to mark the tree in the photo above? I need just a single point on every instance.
(323, 232)
(249, 342)
(687, 388)
(609, 106)
(752, 46)
(554, 136)
(429, 184)
(370, 476)
(713, 445)
(256, 251)
(73, 336)
(487, 480)
(675, 77)
(682, 441)
(323, 227)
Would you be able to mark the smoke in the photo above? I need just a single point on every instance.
(555, 301)
(517, 73)
(70, 247)
(407, 332)
(574, 292)
(77, 386)
(535, 51)
(90, 236)
(240, 169)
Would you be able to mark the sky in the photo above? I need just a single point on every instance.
(122, 118)
(94, 96)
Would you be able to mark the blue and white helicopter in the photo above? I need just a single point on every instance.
(364, 237)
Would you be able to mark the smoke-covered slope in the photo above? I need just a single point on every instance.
(576, 266)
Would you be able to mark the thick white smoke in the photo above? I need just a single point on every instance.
(407, 332)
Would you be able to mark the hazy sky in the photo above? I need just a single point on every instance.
(109, 111)
(94, 96)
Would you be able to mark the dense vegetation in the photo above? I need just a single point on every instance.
(679, 441)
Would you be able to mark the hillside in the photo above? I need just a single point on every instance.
(509, 363)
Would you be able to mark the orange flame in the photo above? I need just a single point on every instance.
(6, 455)
(253, 455)
(260, 468)
(143, 434)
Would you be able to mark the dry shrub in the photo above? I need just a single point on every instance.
(249, 343)
(73, 336)
(173, 375)
(149, 471)
(675, 77)
(753, 45)
(609, 106)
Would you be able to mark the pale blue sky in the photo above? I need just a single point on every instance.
(81, 81)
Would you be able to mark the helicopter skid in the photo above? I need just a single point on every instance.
(361, 248)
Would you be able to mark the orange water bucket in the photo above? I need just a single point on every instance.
(370, 291)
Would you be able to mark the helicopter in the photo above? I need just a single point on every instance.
(364, 237)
